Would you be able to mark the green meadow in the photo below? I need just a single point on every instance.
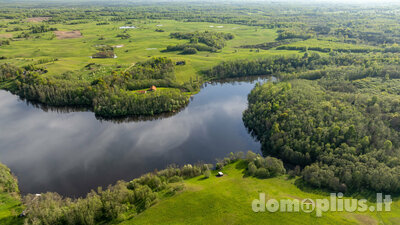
(10, 208)
(228, 199)
(74, 53)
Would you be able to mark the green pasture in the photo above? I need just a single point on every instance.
(227, 200)
(74, 54)
(10, 208)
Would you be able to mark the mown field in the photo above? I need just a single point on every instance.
(227, 200)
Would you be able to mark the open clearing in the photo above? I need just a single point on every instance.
(6, 35)
(37, 19)
(366, 220)
(68, 34)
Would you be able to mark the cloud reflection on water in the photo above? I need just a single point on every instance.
(73, 152)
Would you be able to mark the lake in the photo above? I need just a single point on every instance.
(72, 151)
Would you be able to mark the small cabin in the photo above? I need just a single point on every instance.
(142, 92)
(153, 88)
(220, 174)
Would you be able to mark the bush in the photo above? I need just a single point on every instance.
(189, 51)
(175, 179)
(124, 36)
(219, 166)
(8, 183)
(252, 169)
(262, 173)
(207, 174)
(263, 167)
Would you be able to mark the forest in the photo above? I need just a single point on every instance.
(111, 95)
(341, 126)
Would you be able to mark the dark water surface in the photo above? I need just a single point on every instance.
(73, 152)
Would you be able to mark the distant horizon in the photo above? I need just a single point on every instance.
(358, 2)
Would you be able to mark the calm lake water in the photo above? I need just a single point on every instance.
(73, 152)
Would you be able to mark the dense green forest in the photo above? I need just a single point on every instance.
(342, 128)
(111, 95)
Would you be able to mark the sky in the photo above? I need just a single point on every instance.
(241, 1)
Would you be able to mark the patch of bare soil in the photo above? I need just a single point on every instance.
(68, 34)
(6, 35)
(37, 19)
(294, 197)
(365, 219)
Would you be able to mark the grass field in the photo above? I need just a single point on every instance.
(227, 200)
(74, 53)
(10, 208)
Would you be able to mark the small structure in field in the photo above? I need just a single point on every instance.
(127, 27)
(142, 92)
(23, 214)
(179, 63)
(153, 88)
(220, 174)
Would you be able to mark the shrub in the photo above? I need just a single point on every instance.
(124, 36)
(8, 183)
(207, 174)
(262, 173)
(261, 167)
(189, 51)
(252, 169)
(175, 179)
(219, 166)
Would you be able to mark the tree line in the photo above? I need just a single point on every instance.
(200, 41)
(280, 65)
(111, 95)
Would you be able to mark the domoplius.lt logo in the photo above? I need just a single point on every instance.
(335, 203)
